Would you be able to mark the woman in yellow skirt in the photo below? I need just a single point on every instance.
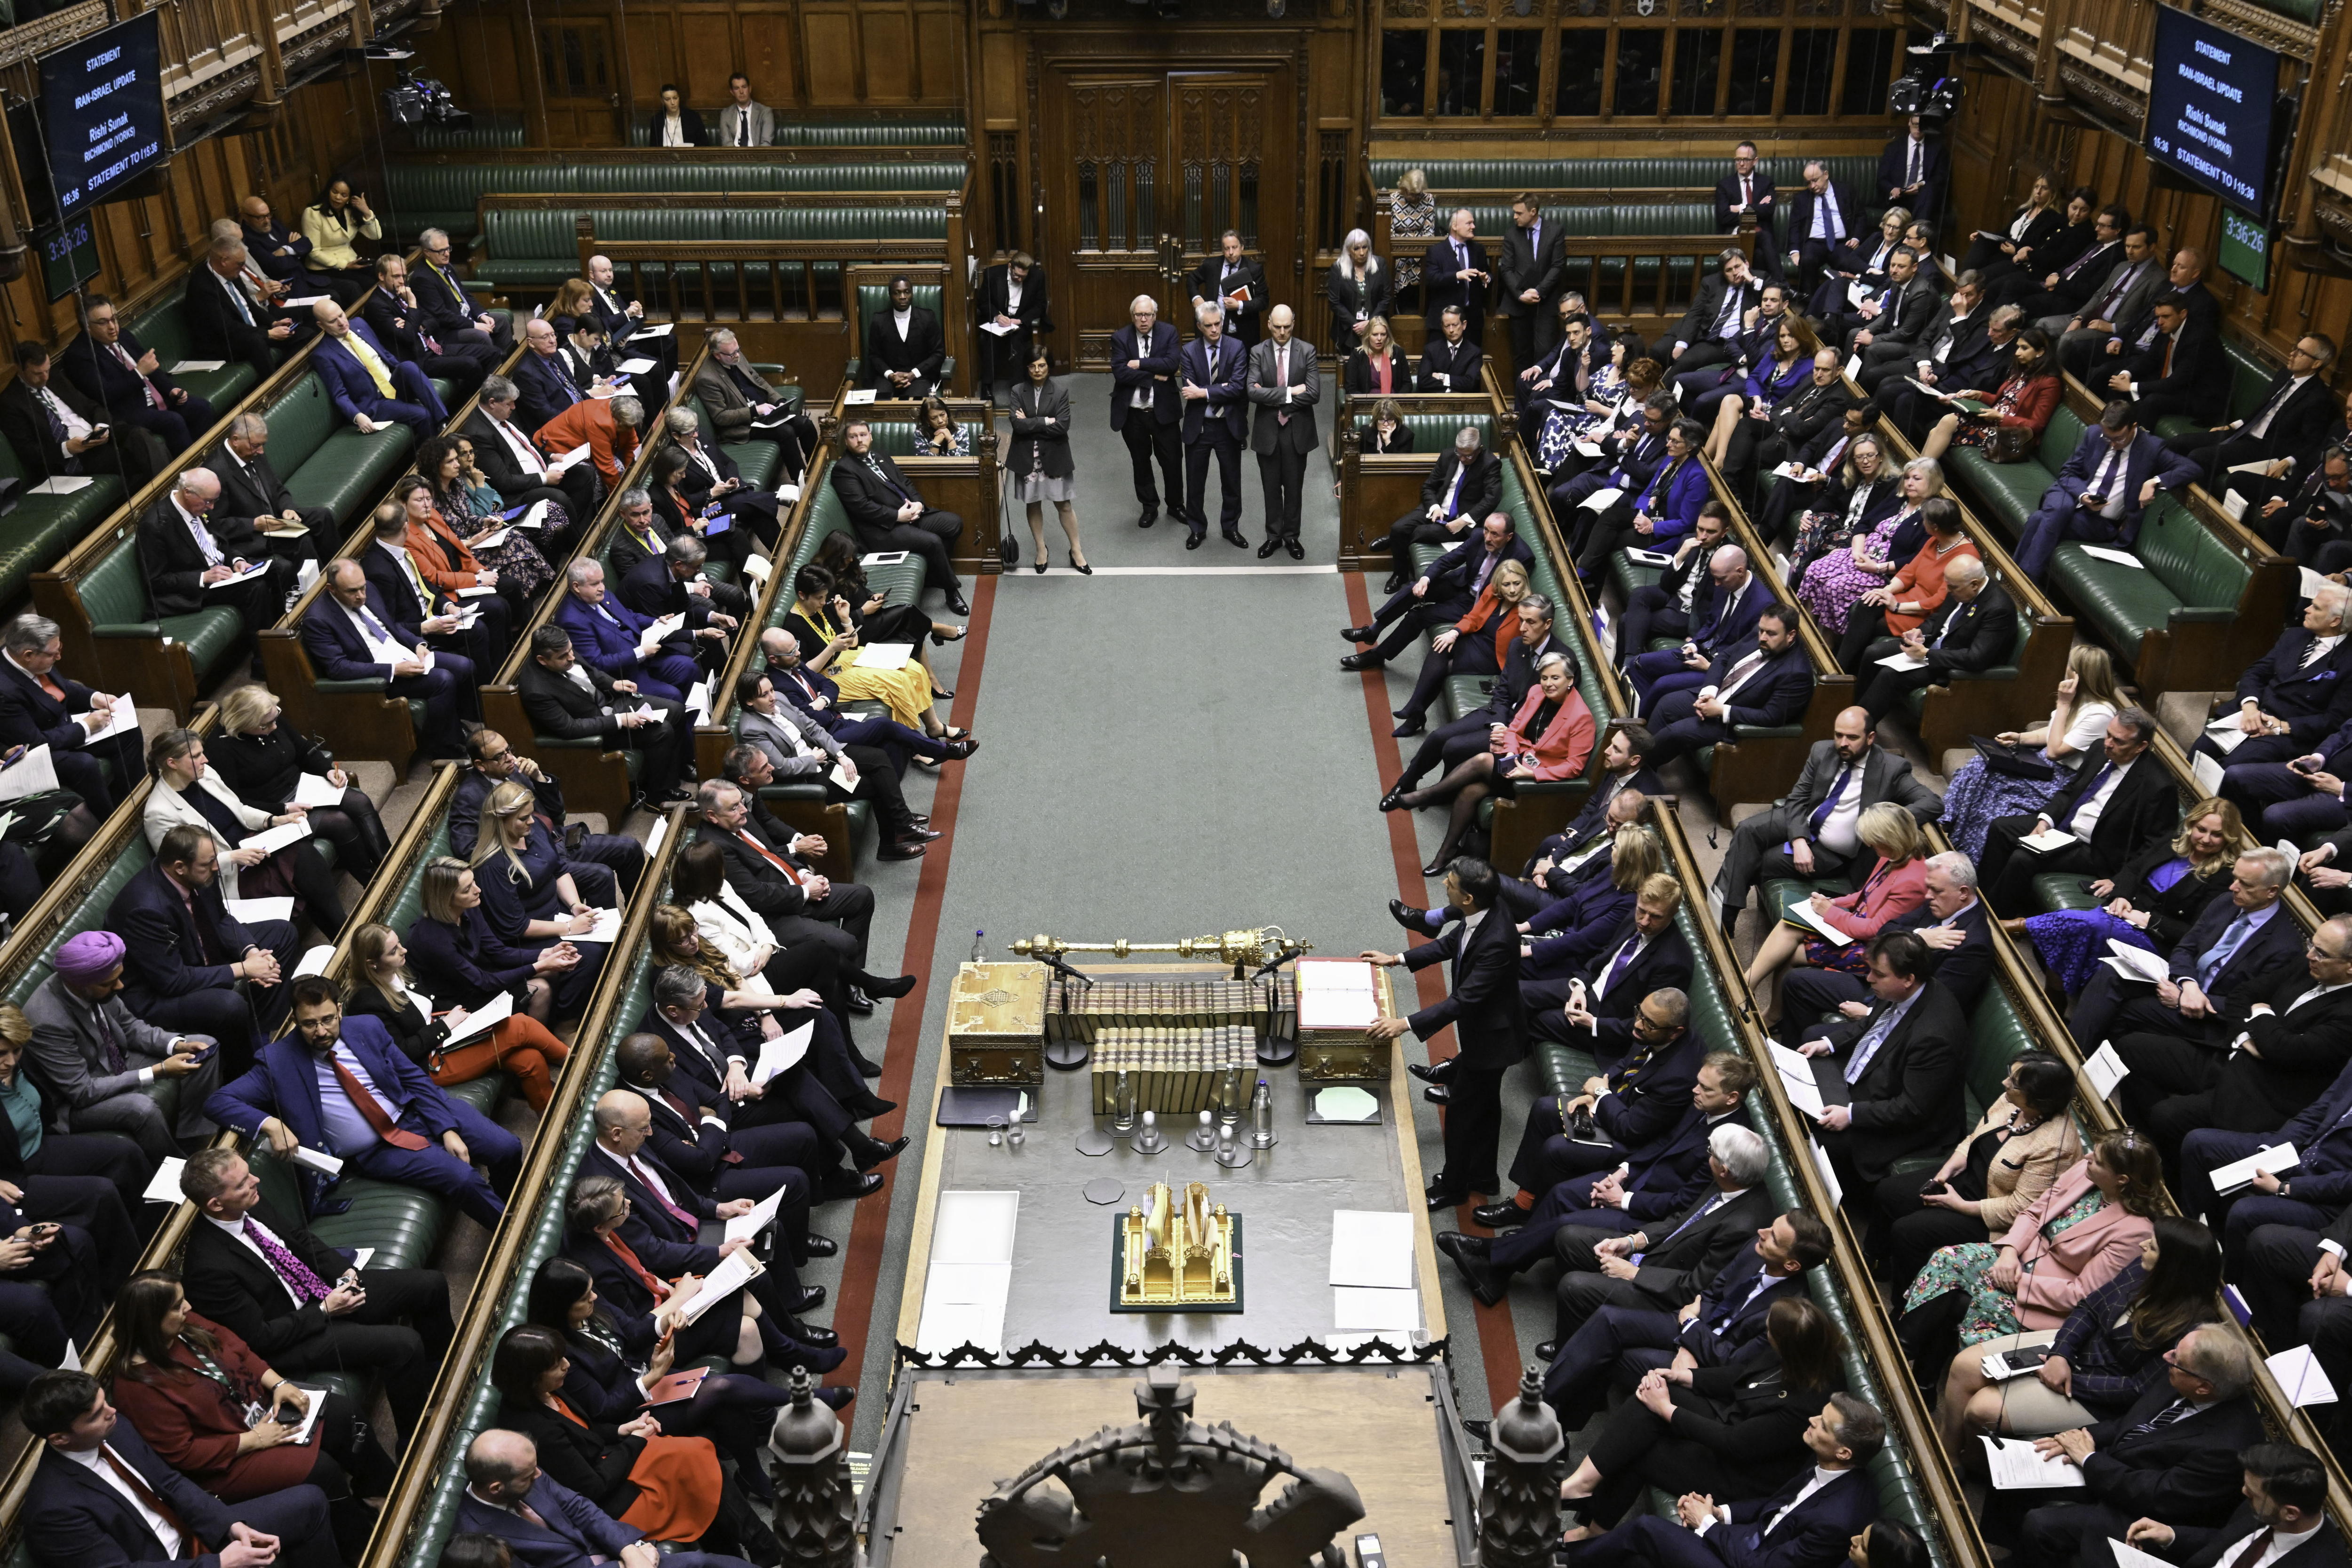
(820, 622)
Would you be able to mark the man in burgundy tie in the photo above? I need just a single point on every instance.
(110, 366)
(301, 1305)
(339, 1086)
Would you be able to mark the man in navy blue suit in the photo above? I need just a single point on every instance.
(351, 635)
(2235, 954)
(100, 1496)
(189, 967)
(42, 705)
(1214, 376)
(1724, 1324)
(1808, 1523)
(1730, 621)
(370, 387)
(1145, 408)
(2295, 694)
(110, 366)
(612, 636)
(1768, 685)
(2103, 489)
(339, 1086)
(546, 1525)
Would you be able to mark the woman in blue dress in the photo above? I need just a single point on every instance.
(2086, 700)
(529, 897)
(2150, 903)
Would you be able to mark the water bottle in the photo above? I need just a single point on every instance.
(1262, 1116)
(976, 948)
(1122, 1118)
(1229, 1100)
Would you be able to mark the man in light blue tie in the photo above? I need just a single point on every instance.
(2235, 954)
(1214, 380)
(1898, 1068)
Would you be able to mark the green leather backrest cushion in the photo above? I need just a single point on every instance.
(1604, 174)
(874, 299)
(300, 424)
(825, 516)
(403, 910)
(114, 591)
(161, 328)
(2060, 437)
(90, 912)
(2176, 545)
(2250, 377)
(1435, 433)
(1997, 1036)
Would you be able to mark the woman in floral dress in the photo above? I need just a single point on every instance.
(1413, 223)
(1833, 584)
(2086, 700)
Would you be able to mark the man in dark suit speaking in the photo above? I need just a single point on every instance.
(1490, 1026)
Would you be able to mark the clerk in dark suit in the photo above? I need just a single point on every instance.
(1454, 272)
(100, 1496)
(187, 965)
(1283, 388)
(562, 1529)
(111, 367)
(1145, 408)
(2297, 413)
(2283, 1522)
(42, 706)
(1902, 1064)
(904, 347)
(570, 700)
(1012, 294)
(1490, 1026)
(513, 463)
(1236, 284)
(1765, 686)
(1533, 257)
(1803, 1525)
(2114, 809)
(1973, 630)
(889, 513)
(301, 1305)
(1810, 832)
(185, 551)
(351, 635)
(226, 322)
(1212, 376)
(2171, 1458)
(1745, 195)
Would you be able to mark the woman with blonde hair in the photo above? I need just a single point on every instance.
(1896, 884)
(452, 948)
(1477, 644)
(519, 1043)
(2087, 698)
(262, 760)
(1375, 367)
(188, 794)
(2150, 903)
(527, 892)
(1357, 289)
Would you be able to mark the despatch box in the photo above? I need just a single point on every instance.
(996, 1024)
(1332, 1001)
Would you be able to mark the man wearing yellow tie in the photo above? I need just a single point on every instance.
(371, 388)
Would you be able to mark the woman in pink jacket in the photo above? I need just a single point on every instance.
(1550, 737)
(2067, 1243)
(1896, 885)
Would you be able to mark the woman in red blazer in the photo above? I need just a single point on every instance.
(2024, 402)
(1477, 644)
(187, 1388)
(1550, 738)
(1895, 886)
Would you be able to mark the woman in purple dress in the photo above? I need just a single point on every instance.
(2149, 904)
(1833, 584)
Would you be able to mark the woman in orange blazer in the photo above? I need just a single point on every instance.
(447, 563)
(1912, 594)
(1895, 886)
(1476, 645)
(1550, 738)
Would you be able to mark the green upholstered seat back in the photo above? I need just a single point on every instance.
(825, 516)
(1435, 432)
(1997, 1036)
(403, 910)
(2183, 552)
(2060, 437)
(87, 915)
(300, 424)
(873, 299)
(114, 590)
(2250, 377)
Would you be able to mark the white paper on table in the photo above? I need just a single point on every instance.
(2105, 1069)
(2137, 963)
(487, 1017)
(317, 1160)
(1371, 1246)
(963, 1303)
(787, 494)
(1343, 1102)
(2300, 1375)
(317, 789)
(885, 656)
(62, 485)
(1400, 1342)
(607, 928)
(188, 366)
(305, 299)
(635, 366)
(735, 1270)
(1803, 911)
(2225, 734)
(272, 840)
(654, 839)
(31, 773)
(1354, 1308)
(973, 1226)
(779, 1055)
(2048, 839)
(2119, 557)
(569, 459)
(245, 909)
(314, 961)
(2278, 1159)
(1602, 500)
(1588, 448)
(2015, 1465)
(1852, 367)
(163, 1186)
(2130, 1556)
(2309, 584)
(2207, 772)
(1828, 1171)
(744, 1226)
(858, 398)
(1903, 661)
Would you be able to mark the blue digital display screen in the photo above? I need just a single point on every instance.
(102, 112)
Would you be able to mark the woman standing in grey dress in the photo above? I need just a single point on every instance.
(1040, 462)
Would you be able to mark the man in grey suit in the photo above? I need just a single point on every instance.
(743, 123)
(2123, 296)
(95, 1058)
(1283, 389)
(1811, 832)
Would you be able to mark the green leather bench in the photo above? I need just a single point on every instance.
(40, 527)
(2250, 377)
(756, 461)
(448, 195)
(325, 460)
(2186, 574)
(113, 594)
(163, 327)
(873, 299)
(943, 130)
(2010, 492)
(540, 248)
(1857, 172)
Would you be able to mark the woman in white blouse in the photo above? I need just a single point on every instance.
(2087, 699)
(674, 125)
(187, 795)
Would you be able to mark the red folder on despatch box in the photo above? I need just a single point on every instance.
(678, 1386)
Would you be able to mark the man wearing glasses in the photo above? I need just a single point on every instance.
(449, 312)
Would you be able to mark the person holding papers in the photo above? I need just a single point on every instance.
(1974, 630)
(2110, 811)
(447, 563)
(1629, 452)
(1900, 1068)
(1896, 884)
(1656, 512)
(337, 1085)
(663, 585)
(710, 477)
(351, 634)
(1907, 601)
(463, 516)
(41, 706)
(445, 623)
(517, 1042)
(824, 626)
(111, 366)
(2013, 1156)
(2293, 696)
(529, 894)
(2149, 904)
(187, 1387)
(189, 964)
(1564, 936)
(792, 745)
(452, 950)
(514, 464)
(2023, 394)
(690, 1133)
(2103, 489)
(1955, 928)
(2171, 1458)
(2237, 952)
(191, 561)
(264, 762)
(1683, 598)
(303, 1306)
(654, 656)
(55, 431)
(1477, 644)
(187, 795)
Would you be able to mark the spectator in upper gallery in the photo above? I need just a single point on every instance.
(745, 123)
(112, 367)
(370, 387)
(676, 125)
(334, 224)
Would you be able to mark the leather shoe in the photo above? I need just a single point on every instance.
(1438, 1094)
(1469, 1255)
(1456, 1245)
(957, 751)
(891, 990)
(1441, 1201)
(860, 1003)
(1411, 918)
(810, 1299)
(1297, 550)
(864, 1185)
(1269, 547)
(1500, 1216)
(816, 1338)
(1393, 800)
(869, 1106)
(900, 849)
(1359, 634)
(918, 834)
(1360, 661)
(1409, 728)
(820, 1247)
(836, 1396)
(1548, 1350)
(1150, 515)
(882, 1151)
(956, 605)
(1193, 541)
(1234, 537)
(1432, 1072)
(1396, 581)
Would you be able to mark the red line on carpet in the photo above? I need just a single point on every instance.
(853, 1309)
(1499, 1336)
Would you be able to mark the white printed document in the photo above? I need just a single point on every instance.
(885, 656)
(246, 910)
(2278, 1159)
(272, 839)
(780, 1054)
(317, 789)
(484, 1019)
(2015, 1465)
(2135, 963)
(1372, 1248)
(735, 1270)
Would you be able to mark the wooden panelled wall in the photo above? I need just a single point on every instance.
(2003, 138)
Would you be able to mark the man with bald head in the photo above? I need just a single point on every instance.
(277, 250)
(1734, 600)
(546, 1525)
(1973, 630)
(1283, 391)
(370, 386)
(192, 559)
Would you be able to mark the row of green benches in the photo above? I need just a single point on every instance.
(538, 248)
